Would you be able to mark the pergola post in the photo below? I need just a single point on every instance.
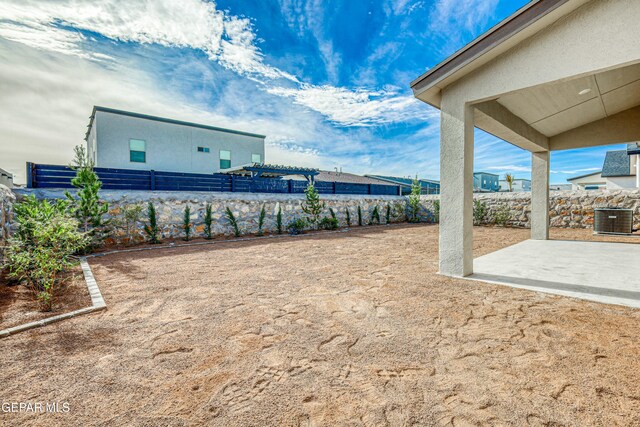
(456, 196)
(540, 195)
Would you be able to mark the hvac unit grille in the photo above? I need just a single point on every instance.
(614, 221)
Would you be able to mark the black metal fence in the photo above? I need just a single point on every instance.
(55, 176)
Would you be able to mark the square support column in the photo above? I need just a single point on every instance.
(540, 195)
(456, 189)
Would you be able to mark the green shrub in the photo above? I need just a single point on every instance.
(359, 216)
(186, 223)
(263, 213)
(375, 216)
(151, 229)
(86, 206)
(414, 201)
(312, 206)
(479, 211)
(502, 215)
(131, 216)
(234, 223)
(46, 238)
(279, 220)
(348, 217)
(208, 219)
(328, 223)
(436, 211)
(332, 213)
(387, 215)
(297, 226)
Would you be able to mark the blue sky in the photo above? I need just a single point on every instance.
(326, 81)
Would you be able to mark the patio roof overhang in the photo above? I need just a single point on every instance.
(257, 170)
(555, 75)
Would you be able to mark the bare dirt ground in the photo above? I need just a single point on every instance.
(338, 329)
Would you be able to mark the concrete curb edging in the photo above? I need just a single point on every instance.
(97, 303)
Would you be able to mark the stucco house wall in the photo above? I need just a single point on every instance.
(169, 147)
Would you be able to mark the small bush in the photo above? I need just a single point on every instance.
(232, 220)
(348, 217)
(263, 213)
(436, 211)
(479, 212)
(414, 201)
(375, 216)
(46, 238)
(328, 223)
(208, 219)
(332, 213)
(186, 223)
(502, 215)
(151, 229)
(297, 226)
(359, 216)
(131, 216)
(387, 215)
(279, 220)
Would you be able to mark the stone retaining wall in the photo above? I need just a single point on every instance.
(567, 209)
(7, 199)
(245, 206)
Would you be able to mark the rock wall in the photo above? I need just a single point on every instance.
(245, 206)
(7, 199)
(567, 209)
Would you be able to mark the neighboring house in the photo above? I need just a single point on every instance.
(6, 178)
(518, 185)
(126, 140)
(331, 176)
(560, 187)
(428, 186)
(485, 182)
(620, 170)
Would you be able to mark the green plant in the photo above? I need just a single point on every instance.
(312, 206)
(263, 213)
(279, 220)
(436, 211)
(502, 215)
(479, 211)
(131, 215)
(186, 223)
(45, 240)
(375, 216)
(208, 219)
(387, 215)
(86, 205)
(151, 229)
(297, 226)
(332, 213)
(348, 217)
(329, 223)
(359, 216)
(509, 178)
(232, 220)
(414, 200)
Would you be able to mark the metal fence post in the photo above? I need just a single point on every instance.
(152, 175)
(290, 186)
(369, 188)
(30, 178)
(233, 183)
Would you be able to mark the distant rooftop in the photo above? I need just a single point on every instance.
(269, 171)
(404, 181)
(163, 120)
(616, 163)
(5, 173)
(351, 178)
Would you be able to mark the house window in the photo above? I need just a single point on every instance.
(225, 159)
(203, 149)
(137, 151)
(256, 158)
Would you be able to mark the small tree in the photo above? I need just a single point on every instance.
(312, 206)
(186, 223)
(87, 206)
(232, 220)
(208, 219)
(263, 213)
(387, 215)
(436, 210)
(375, 216)
(509, 178)
(279, 220)
(414, 200)
(348, 217)
(131, 215)
(479, 211)
(151, 229)
(359, 216)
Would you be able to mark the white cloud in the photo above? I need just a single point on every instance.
(574, 171)
(511, 168)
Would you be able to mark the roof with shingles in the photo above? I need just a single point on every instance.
(616, 163)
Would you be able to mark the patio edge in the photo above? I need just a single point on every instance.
(97, 303)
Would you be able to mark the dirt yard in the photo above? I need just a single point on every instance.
(333, 329)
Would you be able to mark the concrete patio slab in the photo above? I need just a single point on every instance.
(596, 271)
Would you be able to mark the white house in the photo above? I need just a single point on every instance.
(6, 178)
(619, 171)
(125, 140)
(518, 185)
